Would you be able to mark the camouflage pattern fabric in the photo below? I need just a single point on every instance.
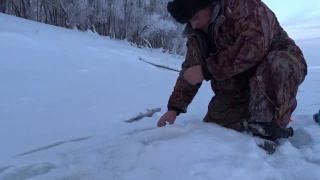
(255, 67)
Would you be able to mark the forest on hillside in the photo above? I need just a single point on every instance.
(146, 23)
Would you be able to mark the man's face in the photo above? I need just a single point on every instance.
(201, 20)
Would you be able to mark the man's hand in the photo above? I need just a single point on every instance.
(169, 116)
(194, 75)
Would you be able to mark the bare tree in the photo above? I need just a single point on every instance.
(143, 22)
(3, 6)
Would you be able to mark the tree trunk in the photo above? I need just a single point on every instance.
(3, 6)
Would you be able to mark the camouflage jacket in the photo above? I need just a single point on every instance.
(241, 34)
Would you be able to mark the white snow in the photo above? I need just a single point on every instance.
(64, 95)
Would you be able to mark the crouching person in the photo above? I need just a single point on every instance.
(253, 66)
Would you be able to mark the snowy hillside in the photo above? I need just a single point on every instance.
(64, 97)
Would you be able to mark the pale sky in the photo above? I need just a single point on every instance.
(300, 18)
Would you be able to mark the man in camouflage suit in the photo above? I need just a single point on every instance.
(254, 67)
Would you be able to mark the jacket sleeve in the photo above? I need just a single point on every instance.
(253, 26)
(183, 92)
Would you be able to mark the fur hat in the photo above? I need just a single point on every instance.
(183, 10)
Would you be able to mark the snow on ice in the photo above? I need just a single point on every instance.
(65, 94)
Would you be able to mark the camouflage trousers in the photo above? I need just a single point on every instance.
(270, 96)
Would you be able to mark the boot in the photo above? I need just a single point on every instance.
(267, 136)
(269, 144)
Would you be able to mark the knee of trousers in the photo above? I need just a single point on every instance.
(226, 113)
(278, 76)
(282, 64)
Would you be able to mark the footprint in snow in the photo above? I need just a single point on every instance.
(26, 171)
(301, 138)
(2, 169)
